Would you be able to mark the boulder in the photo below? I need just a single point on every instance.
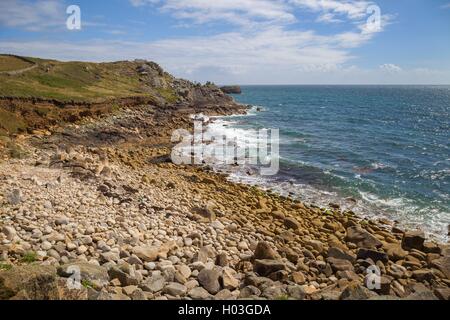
(334, 252)
(209, 279)
(372, 254)
(340, 264)
(265, 267)
(355, 291)
(175, 289)
(413, 240)
(362, 238)
(264, 251)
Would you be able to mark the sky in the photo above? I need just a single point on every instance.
(244, 41)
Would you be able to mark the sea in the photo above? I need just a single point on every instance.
(380, 151)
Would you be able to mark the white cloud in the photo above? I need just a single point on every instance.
(237, 12)
(390, 68)
(446, 6)
(32, 16)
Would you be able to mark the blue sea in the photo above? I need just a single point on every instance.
(381, 151)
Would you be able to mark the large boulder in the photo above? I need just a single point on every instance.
(264, 251)
(362, 238)
(87, 272)
(413, 240)
(209, 279)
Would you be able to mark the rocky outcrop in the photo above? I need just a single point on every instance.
(231, 89)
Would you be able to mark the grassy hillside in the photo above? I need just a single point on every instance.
(82, 81)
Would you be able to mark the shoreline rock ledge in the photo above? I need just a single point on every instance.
(231, 89)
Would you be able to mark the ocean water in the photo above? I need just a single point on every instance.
(381, 151)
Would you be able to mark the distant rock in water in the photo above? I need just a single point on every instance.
(231, 89)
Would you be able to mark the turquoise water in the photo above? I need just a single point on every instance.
(383, 151)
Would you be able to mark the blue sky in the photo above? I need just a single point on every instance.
(245, 41)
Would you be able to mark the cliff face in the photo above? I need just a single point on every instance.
(54, 92)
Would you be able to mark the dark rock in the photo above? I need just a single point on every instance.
(249, 291)
(413, 240)
(222, 260)
(372, 254)
(265, 267)
(443, 265)
(231, 89)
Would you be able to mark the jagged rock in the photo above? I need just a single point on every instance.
(153, 284)
(209, 279)
(229, 280)
(362, 238)
(265, 267)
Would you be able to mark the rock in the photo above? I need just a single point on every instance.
(15, 197)
(153, 284)
(231, 89)
(264, 267)
(62, 220)
(209, 279)
(124, 278)
(442, 293)
(395, 252)
(413, 240)
(296, 292)
(362, 238)
(291, 223)
(9, 232)
(340, 264)
(147, 253)
(298, 277)
(423, 275)
(264, 251)
(443, 265)
(222, 260)
(175, 289)
(316, 245)
(372, 254)
(249, 291)
(355, 291)
(199, 293)
(86, 271)
(334, 252)
(229, 280)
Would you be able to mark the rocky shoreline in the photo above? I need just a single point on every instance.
(96, 210)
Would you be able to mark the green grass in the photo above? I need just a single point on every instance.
(5, 267)
(81, 81)
(87, 284)
(29, 257)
